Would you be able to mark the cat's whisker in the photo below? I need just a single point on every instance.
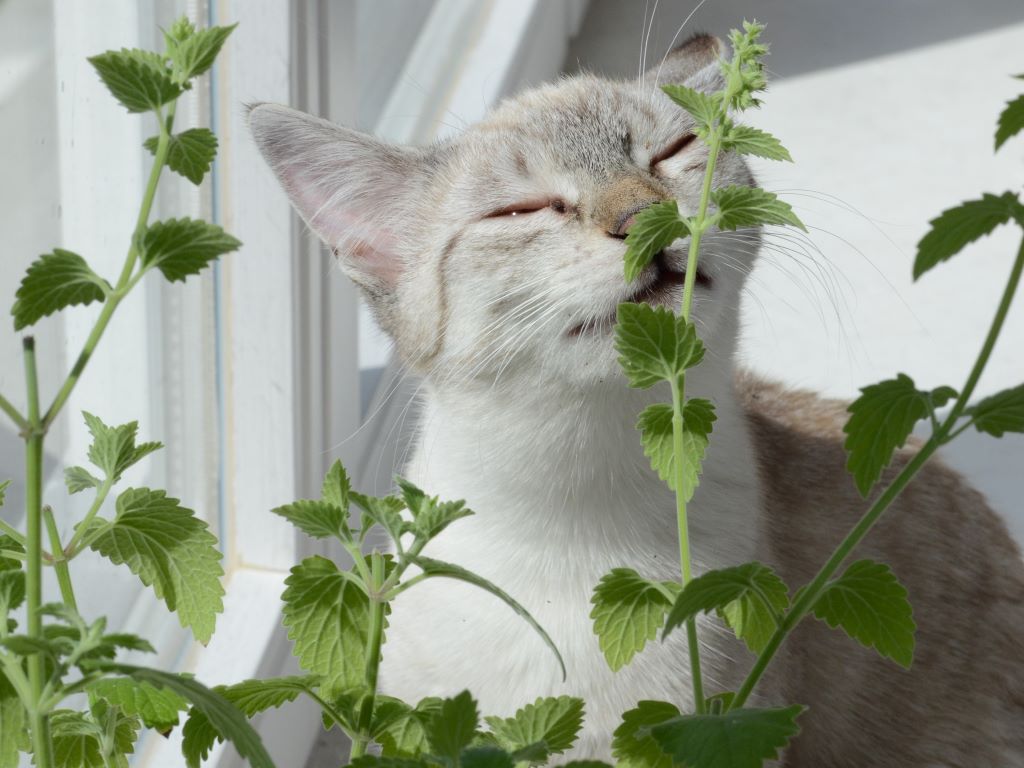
(675, 37)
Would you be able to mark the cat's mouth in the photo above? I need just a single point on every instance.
(659, 284)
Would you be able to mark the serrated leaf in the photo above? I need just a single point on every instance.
(955, 228)
(740, 738)
(740, 206)
(407, 736)
(10, 563)
(554, 721)
(336, 487)
(453, 726)
(656, 227)
(881, 420)
(170, 550)
(1011, 121)
(140, 80)
(55, 281)
(628, 612)
(747, 596)
(75, 739)
(437, 516)
(326, 611)
(79, 479)
(158, 708)
(703, 107)
(319, 519)
(999, 413)
(871, 606)
(632, 742)
(195, 54)
(13, 726)
(655, 425)
(189, 153)
(384, 511)
(12, 590)
(224, 716)
(250, 697)
(654, 345)
(746, 140)
(437, 568)
(183, 247)
(113, 449)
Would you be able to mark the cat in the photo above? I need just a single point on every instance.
(494, 261)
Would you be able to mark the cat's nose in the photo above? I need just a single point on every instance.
(622, 199)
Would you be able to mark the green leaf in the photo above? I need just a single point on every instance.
(336, 487)
(628, 612)
(656, 227)
(326, 611)
(318, 519)
(747, 596)
(632, 742)
(12, 589)
(955, 228)
(189, 153)
(195, 54)
(751, 207)
(407, 736)
(158, 708)
(113, 449)
(486, 757)
(55, 281)
(183, 247)
(881, 420)
(77, 738)
(740, 738)
(12, 724)
(372, 761)
(433, 567)
(703, 107)
(3, 490)
(384, 511)
(871, 606)
(79, 479)
(430, 515)
(1011, 121)
(745, 140)
(250, 697)
(655, 425)
(224, 716)
(140, 80)
(453, 726)
(554, 721)
(169, 549)
(1000, 413)
(180, 30)
(654, 345)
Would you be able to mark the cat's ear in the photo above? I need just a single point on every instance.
(356, 192)
(694, 63)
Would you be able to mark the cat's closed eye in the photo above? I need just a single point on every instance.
(518, 209)
(672, 149)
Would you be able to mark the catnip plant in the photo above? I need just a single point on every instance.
(57, 653)
(656, 345)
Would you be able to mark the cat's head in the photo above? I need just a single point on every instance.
(500, 252)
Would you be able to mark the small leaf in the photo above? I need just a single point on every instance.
(385, 512)
(655, 228)
(158, 708)
(871, 606)
(881, 420)
(453, 726)
(747, 596)
(326, 611)
(655, 425)
(113, 449)
(745, 140)
(169, 549)
(79, 479)
(55, 281)
(1011, 121)
(654, 345)
(336, 487)
(13, 725)
(140, 80)
(703, 107)
(318, 519)
(12, 589)
(183, 247)
(554, 721)
(77, 738)
(430, 515)
(189, 153)
(407, 736)
(632, 742)
(628, 612)
(955, 228)
(433, 567)
(195, 54)
(740, 738)
(751, 207)
(1000, 413)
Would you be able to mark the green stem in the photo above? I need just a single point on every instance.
(60, 561)
(75, 545)
(813, 591)
(376, 635)
(13, 532)
(7, 407)
(125, 281)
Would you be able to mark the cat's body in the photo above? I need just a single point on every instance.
(495, 261)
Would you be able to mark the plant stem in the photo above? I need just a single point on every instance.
(7, 407)
(13, 532)
(813, 591)
(376, 636)
(73, 547)
(60, 561)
